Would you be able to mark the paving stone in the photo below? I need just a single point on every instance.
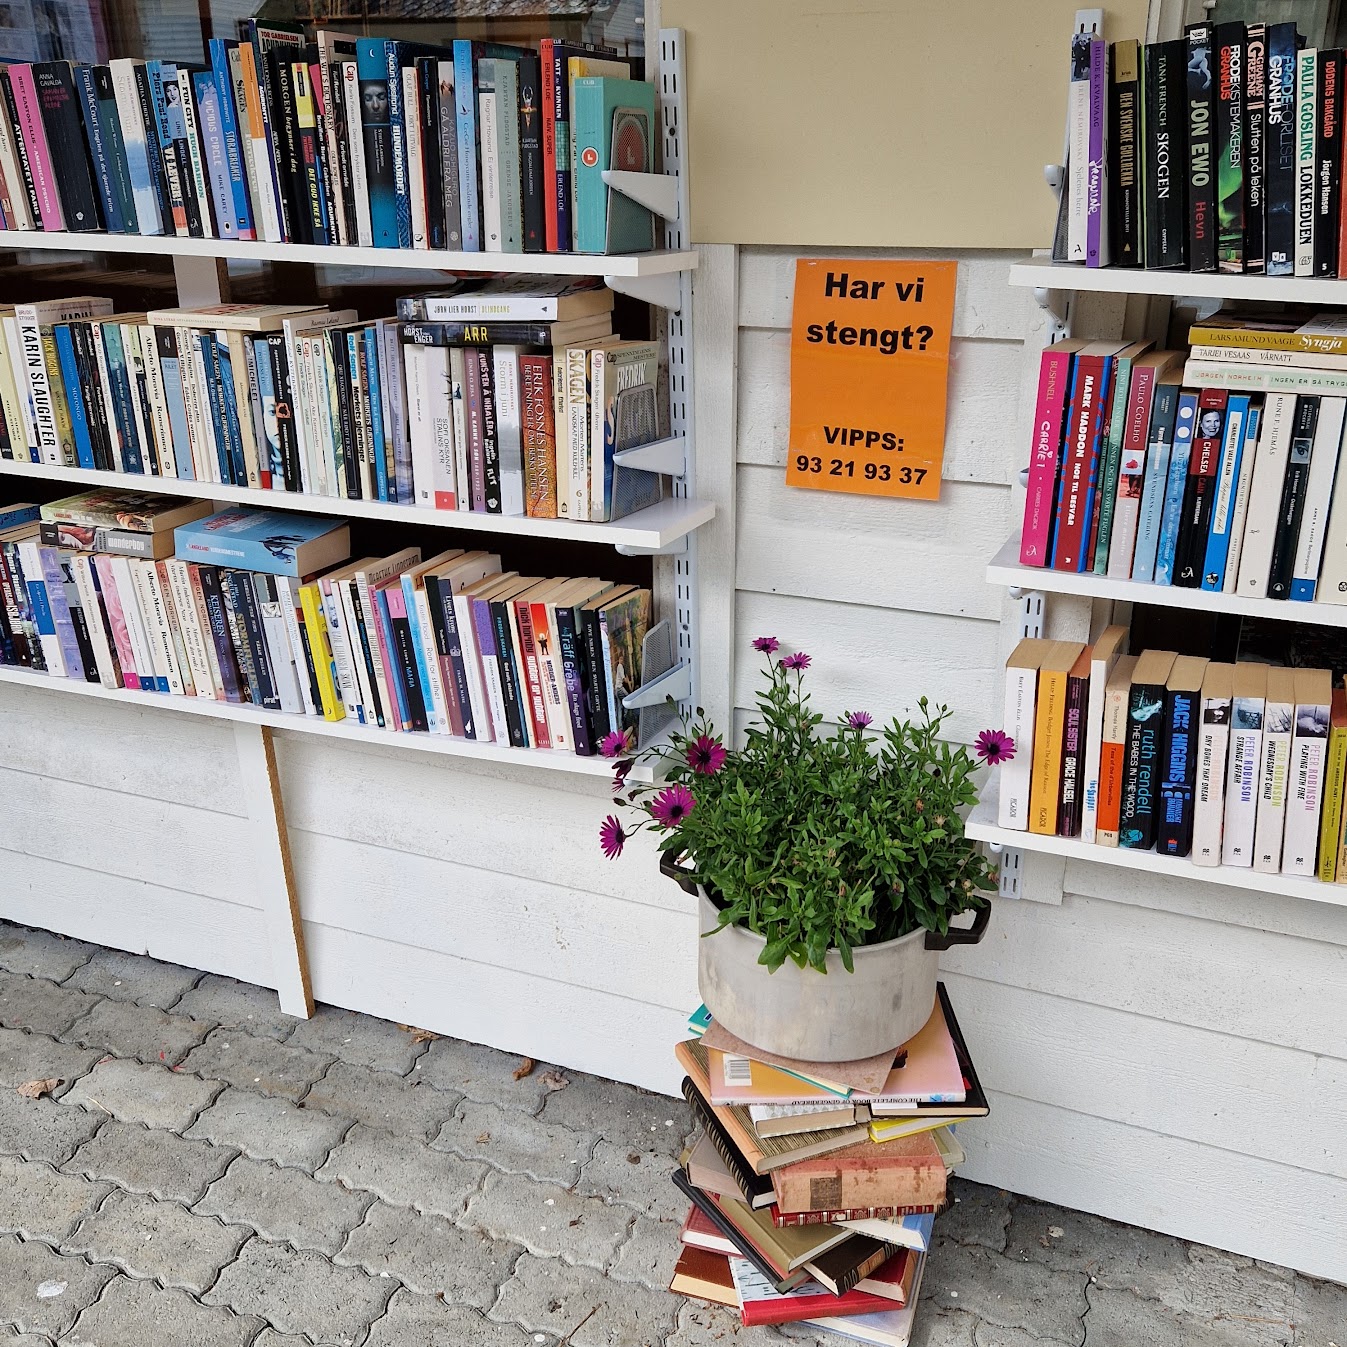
(135, 1092)
(35, 1003)
(131, 1030)
(1006, 1293)
(28, 1056)
(14, 1338)
(140, 1314)
(976, 1215)
(482, 1074)
(285, 1204)
(66, 1286)
(422, 1321)
(649, 1254)
(39, 1203)
(40, 954)
(1320, 1309)
(301, 1292)
(160, 1240)
(403, 1172)
(703, 1325)
(39, 1129)
(361, 1040)
(548, 1220)
(634, 1178)
(133, 977)
(270, 1338)
(621, 1114)
(150, 1161)
(938, 1326)
(270, 1129)
(624, 1314)
(260, 1065)
(430, 1254)
(237, 1005)
(1123, 1319)
(510, 1140)
(381, 1099)
(989, 1335)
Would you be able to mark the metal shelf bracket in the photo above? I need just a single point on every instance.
(655, 191)
(664, 290)
(676, 683)
(667, 456)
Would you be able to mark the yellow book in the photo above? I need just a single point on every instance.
(1049, 722)
(887, 1129)
(311, 603)
(60, 408)
(1331, 868)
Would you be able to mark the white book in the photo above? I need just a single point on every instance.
(577, 431)
(198, 162)
(350, 83)
(1104, 656)
(1307, 80)
(1021, 692)
(1244, 765)
(561, 426)
(329, 415)
(134, 617)
(149, 220)
(280, 655)
(1266, 378)
(492, 239)
(135, 369)
(194, 640)
(201, 612)
(154, 644)
(427, 370)
(416, 166)
(559, 729)
(1240, 510)
(1213, 745)
(343, 659)
(1261, 355)
(1077, 185)
(305, 390)
(361, 670)
(200, 443)
(1278, 721)
(256, 416)
(81, 568)
(1305, 782)
(22, 387)
(177, 639)
(362, 414)
(30, 319)
(109, 402)
(478, 725)
(160, 426)
(1318, 492)
(156, 620)
(462, 468)
(31, 561)
(1265, 494)
(1332, 587)
(287, 593)
(20, 215)
(210, 433)
(509, 427)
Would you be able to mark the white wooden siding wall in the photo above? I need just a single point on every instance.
(1168, 1054)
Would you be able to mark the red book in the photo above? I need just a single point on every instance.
(789, 1218)
(549, 84)
(1199, 492)
(1080, 456)
(763, 1304)
(533, 679)
(1054, 383)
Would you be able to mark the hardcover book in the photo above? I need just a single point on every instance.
(1125, 170)
(1307, 118)
(66, 142)
(1328, 163)
(614, 121)
(1255, 147)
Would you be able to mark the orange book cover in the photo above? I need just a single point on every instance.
(1049, 722)
(905, 1172)
(1112, 751)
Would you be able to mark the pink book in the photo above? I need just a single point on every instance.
(392, 592)
(1054, 384)
(117, 621)
(35, 143)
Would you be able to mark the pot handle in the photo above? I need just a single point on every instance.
(669, 867)
(958, 935)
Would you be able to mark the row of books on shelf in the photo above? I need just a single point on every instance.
(1221, 150)
(474, 146)
(267, 608)
(1219, 469)
(1231, 764)
(814, 1187)
(515, 399)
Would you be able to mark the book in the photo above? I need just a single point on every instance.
(1307, 116)
(1200, 489)
(1202, 164)
(133, 511)
(1278, 726)
(1049, 720)
(1292, 507)
(614, 126)
(1220, 524)
(624, 401)
(1171, 510)
(1213, 746)
(1324, 460)
(1125, 104)
(272, 541)
(761, 1303)
(704, 1276)
(1335, 790)
(1269, 475)
(1070, 803)
(1077, 479)
(1244, 769)
(1021, 693)
(1305, 772)
(1243, 491)
(1164, 155)
(1178, 758)
(1113, 750)
(1104, 656)
(1076, 190)
(61, 120)
(908, 1170)
(1098, 249)
(893, 1328)
(1126, 391)
(1145, 741)
(1327, 163)
(1229, 51)
(1138, 522)
(514, 299)
(1255, 143)
(1054, 382)
(1280, 149)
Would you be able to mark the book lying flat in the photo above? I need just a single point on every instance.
(907, 1172)
(779, 1120)
(893, 1328)
(867, 1073)
(910, 1232)
(704, 1275)
(974, 1103)
(708, 1170)
(761, 1303)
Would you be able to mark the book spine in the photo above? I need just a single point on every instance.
(505, 384)
(33, 205)
(1078, 153)
(1201, 160)
(320, 648)
(196, 162)
(1125, 167)
(397, 127)
(1270, 823)
(136, 611)
(372, 72)
(596, 714)
(1021, 689)
(539, 437)
(569, 647)
(1080, 461)
(1328, 163)
(355, 145)
(418, 206)
(223, 56)
(343, 656)
(1309, 545)
(465, 108)
(1231, 146)
(1203, 466)
(310, 181)
(1174, 819)
(449, 166)
(1209, 805)
(1307, 89)
(1330, 827)
(1145, 717)
(1133, 390)
(1217, 550)
(507, 107)
(431, 120)
(20, 198)
(53, 579)
(513, 689)
(1280, 150)
(469, 666)
(1243, 487)
(177, 576)
(1097, 244)
(1054, 381)
(99, 151)
(1269, 476)
(1292, 508)
(1305, 790)
(437, 615)
(97, 620)
(168, 612)
(1138, 522)
(64, 342)
(495, 726)
(492, 224)
(1049, 722)
(33, 132)
(1070, 802)
(207, 579)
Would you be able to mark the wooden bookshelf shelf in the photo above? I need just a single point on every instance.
(351, 731)
(1042, 273)
(649, 530)
(1005, 569)
(982, 827)
(662, 262)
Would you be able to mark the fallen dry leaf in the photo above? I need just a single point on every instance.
(554, 1080)
(424, 1036)
(483, 1138)
(35, 1089)
(525, 1068)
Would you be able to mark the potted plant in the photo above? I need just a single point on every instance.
(827, 864)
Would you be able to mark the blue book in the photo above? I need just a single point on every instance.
(242, 210)
(1178, 767)
(613, 123)
(114, 141)
(99, 154)
(266, 393)
(419, 646)
(377, 441)
(55, 580)
(402, 196)
(1161, 442)
(216, 160)
(170, 370)
(11, 516)
(1171, 518)
(163, 75)
(39, 612)
(1227, 479)
(469, 164)
(215, 404)
(273, 541)
(394, 674)
(128, 441)
(74, 394)
(371, 66)
(229, 407)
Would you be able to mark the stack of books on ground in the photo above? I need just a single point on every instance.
(512, 399)
(331, 138)
(1240, 765)
(814, 1186)
(262, 607)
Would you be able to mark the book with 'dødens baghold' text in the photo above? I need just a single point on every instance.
(1145, 741)
(1049, 722)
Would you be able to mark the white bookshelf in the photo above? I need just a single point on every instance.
(1005, 569)
(983, 827)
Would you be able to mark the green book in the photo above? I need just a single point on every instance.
(507, 154)
(1111, 463)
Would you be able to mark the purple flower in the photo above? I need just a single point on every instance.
(620, 773)
(994, 747)
(797, 662)
(615, 742)
(612, 837)
(860, 720)
(769, 645)
(671, 806)
(706, 756)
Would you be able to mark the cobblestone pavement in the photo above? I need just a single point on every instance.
(210, 1172)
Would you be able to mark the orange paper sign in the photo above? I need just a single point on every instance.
(869, 373)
